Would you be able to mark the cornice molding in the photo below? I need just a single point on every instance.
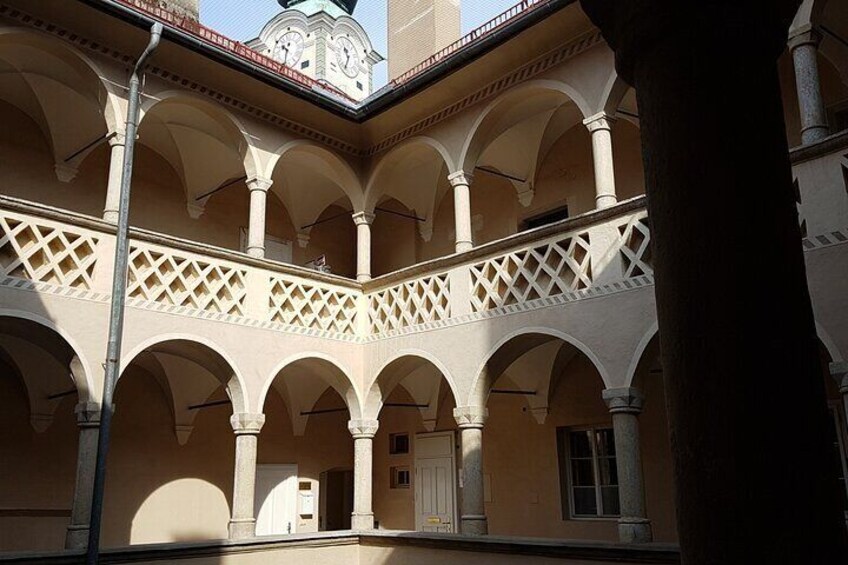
(539, 65)
(187, 84)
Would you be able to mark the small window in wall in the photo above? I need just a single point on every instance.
(400, 477)
(549, 217)
(398, 444)
(304, 65)
(360, 86)
(588, 474)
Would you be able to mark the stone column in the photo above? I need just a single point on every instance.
(625, 405)
(717, 174)
(839, 371)
(804, 47)
(88, 420)
(461, 183)
(246, 428)
(256, 228)
(363, 432)
(116, 175)
(600, 126)
(470, 421)
(363, 221)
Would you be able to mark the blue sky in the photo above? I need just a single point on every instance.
(245, 21)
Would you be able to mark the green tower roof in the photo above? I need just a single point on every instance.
(348, 6)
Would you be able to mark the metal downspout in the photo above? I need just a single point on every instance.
(119, 289)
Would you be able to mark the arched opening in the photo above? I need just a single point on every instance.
(194, 144)
(404, 191)
(415, 460)
(56, 114)
(171, 428)
(305, 458)
(549, 464)
(44, 381)
(319, 191)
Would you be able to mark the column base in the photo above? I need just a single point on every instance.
(360, 522)
(242, 529)
(77, 537)
(463, 246)
(635, 530)
(474, 525)
(110, 216)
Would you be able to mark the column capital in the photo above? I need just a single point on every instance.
(600, 121)
(839, 371)
(303, 240)
(88, 414)
(624, 400)
(470, 417)
(806, 34)
(460, 178)
(247, 424)
(363, 429)
(259, 183)
(363, 218)
(117, 139)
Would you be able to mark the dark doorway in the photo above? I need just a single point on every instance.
(336, 499)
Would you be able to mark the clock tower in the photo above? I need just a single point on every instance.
(320, 39)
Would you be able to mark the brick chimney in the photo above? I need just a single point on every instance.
(190, 8)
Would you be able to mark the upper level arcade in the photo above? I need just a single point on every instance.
(480, 221)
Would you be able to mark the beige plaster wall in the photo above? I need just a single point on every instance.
(158, 490)
(394, 509)
(37, 470)
(520, 458)
(327, 444)
(393, 239)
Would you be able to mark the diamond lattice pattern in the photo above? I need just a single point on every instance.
(170, 279)
(531, 274)
(635, 247)
(308, 306)
(38, 252)
(410, 304)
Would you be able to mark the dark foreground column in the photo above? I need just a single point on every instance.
(745, 394)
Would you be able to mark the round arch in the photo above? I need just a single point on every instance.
(82, 374)
(483, 380)
(386, 380)
(490, 123)
(234, 385)
(333, 373)
(69, 115)
(341, 171)
(394, 157)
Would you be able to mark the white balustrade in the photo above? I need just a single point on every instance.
(48, 246)
(410, 304)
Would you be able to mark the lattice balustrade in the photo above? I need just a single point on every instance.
(530, 274)
(298, 303)
(40, 252)
(410, 304)
(635, 247)
(186, 282)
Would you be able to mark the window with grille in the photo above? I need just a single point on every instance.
(588, 473)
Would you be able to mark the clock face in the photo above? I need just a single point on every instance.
(347, 57)
(289, 48)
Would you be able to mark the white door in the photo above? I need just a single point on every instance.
(435, 482)
(276, 500)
